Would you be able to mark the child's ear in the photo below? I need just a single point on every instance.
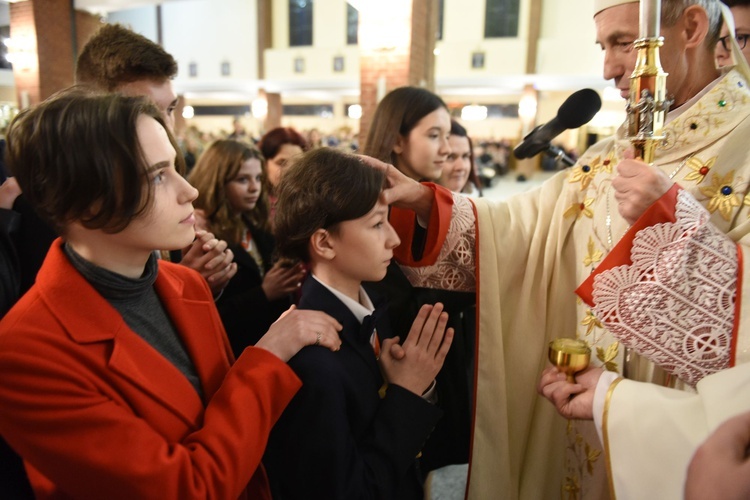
(321, 245)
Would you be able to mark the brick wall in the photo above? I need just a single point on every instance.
(46, 26)
(274, 113)
(53, 22)
(25, 71)
(412, 65)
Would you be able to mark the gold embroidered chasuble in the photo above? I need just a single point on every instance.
(534, 250)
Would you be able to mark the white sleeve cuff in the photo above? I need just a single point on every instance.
(430, 395)
(600, 395)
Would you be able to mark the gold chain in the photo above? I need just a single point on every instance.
(679, 167)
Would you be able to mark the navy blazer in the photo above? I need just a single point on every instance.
(449, 442)
(338, 439)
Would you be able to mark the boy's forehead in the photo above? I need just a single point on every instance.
(379, 207)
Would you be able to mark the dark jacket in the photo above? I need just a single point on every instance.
(338, 439)
(25, 239)
(449, 442)
(244, 309)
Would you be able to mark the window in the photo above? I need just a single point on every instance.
(300, 22)
(477, 60)
(321, 110)
(240, 110)
(439, 29)
(501, 18)
(338, 64)
(502, 111)
(352, 23)
(493, 110)
(4, 35)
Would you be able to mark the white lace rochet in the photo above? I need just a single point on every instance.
(455, 266)
(675, 304)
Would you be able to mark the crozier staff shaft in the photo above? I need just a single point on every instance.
(647, 103)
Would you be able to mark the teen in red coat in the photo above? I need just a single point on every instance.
(104, 399)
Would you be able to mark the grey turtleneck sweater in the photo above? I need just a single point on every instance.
(137, 301)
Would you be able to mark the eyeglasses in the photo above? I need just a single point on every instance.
(741, 40)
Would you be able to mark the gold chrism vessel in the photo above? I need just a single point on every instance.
(570, 356)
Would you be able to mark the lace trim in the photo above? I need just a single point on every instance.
(675, 304)
(454, 268)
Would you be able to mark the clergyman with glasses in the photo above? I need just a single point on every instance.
(741, 13)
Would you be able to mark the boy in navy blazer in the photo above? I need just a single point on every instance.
(357, 426)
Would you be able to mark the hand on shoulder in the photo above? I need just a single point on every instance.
(298, 328)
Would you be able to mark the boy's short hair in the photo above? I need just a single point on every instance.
(77, 157)
(115, 56)
(322, 188)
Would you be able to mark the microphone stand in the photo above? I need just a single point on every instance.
(559, 154)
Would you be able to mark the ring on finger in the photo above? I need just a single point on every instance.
(317, 340)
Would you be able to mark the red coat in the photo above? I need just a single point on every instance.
(96, 412)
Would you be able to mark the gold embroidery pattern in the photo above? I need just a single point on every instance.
(590, 321)
(722, 194)
(711, 111)
(609, 162)
(593, 329)
(593, 256)
(580, 209)
(699, 169)
(608, 356)
(584, 173)
(581, 462)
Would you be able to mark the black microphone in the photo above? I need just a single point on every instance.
(577, 110)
